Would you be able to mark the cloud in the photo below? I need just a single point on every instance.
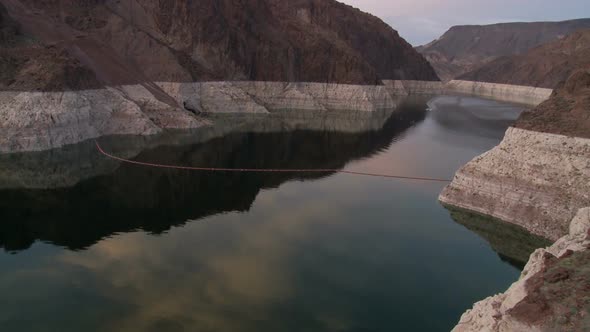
(226, 279)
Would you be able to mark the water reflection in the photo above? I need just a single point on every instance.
(131, 198)
(513, 244)
(339, 253)
(472, 116)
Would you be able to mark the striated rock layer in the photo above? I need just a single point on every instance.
(539, 176)
(504, 92)
(35, 121)
(532, 179)
(552, 294)
(41, 120)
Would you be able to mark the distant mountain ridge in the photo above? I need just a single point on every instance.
(465, 48)
(544, 66)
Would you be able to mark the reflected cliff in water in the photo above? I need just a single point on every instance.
(75, 197)
(512, 243)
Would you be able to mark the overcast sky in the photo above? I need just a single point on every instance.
(421, 21)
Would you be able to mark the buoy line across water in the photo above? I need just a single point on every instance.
(264, 170)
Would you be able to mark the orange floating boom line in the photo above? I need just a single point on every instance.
(265, 170)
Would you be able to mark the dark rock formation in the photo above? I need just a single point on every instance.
(64, 44)
(544, 66)
(558, 296)
(567, 112)
(27, 64)
(465, 48)
(552, 294)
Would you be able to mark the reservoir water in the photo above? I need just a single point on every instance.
(89, 244)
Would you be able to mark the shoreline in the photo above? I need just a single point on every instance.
(39, 121)
(526, 95)
(537, 178)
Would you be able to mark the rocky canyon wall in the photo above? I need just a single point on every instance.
(539, 176)
(533, 179)
(76, 70)
(35, 121)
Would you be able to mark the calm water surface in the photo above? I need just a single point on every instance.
(90, 245)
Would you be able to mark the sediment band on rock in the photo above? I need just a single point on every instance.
(532, 179)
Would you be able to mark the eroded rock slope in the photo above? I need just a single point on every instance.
(544, 66)
(467, 47)
(128, 41)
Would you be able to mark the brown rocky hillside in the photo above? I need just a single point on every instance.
(544, 66)
(567, 112)
(66, 44)
(465, 48)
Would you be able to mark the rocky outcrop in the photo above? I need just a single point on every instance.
(532, 179)
(539, 176)
(544, 66)
(34, 121)
(465, 48)
(262, 97)
(553, 293)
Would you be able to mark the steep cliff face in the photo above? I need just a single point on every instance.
(464, 48)
(129, 41)
(544, 66)
(535, 180)
(539, 176)
(76, 70)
